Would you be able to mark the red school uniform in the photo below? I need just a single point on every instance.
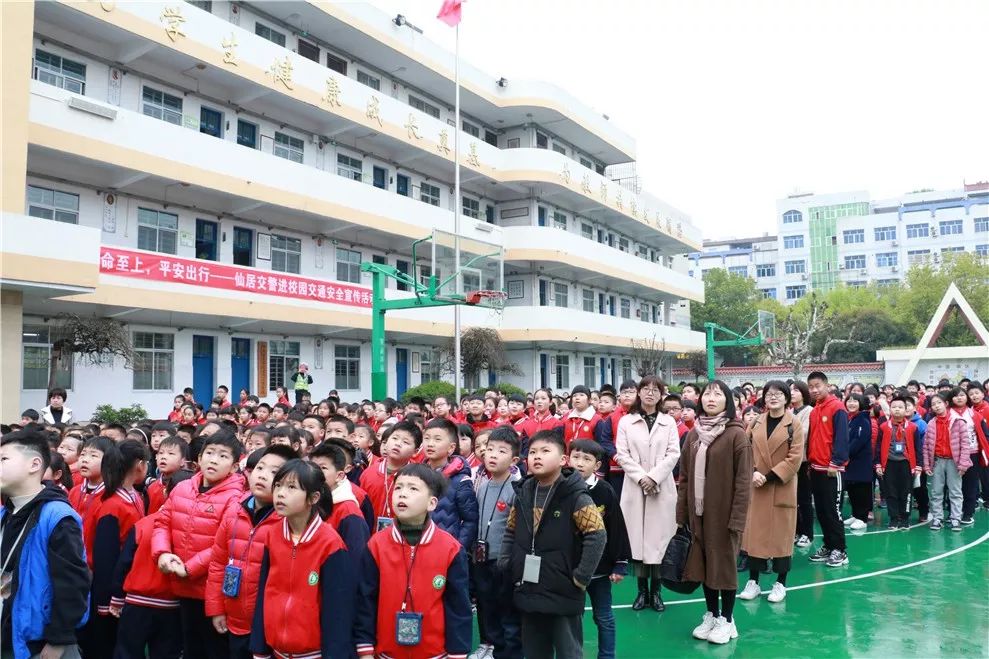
(905, 432)
(86, 500)
(378, 484)
(143, 584)
(347, 519)
(113, 522)
(580, 425)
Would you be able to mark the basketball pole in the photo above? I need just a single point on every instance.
(456, 215)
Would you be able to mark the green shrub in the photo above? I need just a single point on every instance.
(430, 390)
(106, 414)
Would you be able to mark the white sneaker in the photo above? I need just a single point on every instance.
(849, 521)
(723, 631)
(703, 630)
(483, 651)
(803, 541)
(857, 525)
(777, 594)
(750, 592)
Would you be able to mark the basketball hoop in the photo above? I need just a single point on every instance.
(493, 300)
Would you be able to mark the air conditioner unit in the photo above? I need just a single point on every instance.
(896, 244)
(804, 276)
(894, 269)
(863, 272)
(841, 266)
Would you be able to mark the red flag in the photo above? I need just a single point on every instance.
(450, 12)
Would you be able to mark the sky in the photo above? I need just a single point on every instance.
(734, 105)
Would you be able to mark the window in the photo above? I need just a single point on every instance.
(626, 369)
(793, 217)
(211, 122)
(247, 134)
(429, 194)
(337, 64)
(513, 142)
(765, 270)
(559, 220)
(623, 244)
(37, 360)
(157, 231)
(858, 283)
(586, 230)
(590, 372)
(471, 129)
(52, 204)
(288, 147)
(918, 230)
(586, 163)
(286, 254)
(951, 227)
(542, 142)
(740, 270)
(429, 362)
(952, 250)
(368, 80)
(347, 367)
(563, 372)
(162, 106)
(793, 242)
(626, 308)
(560, 294)
(308, 50)
(982, 250)
(588, 300)
(795, 267)
(205, 5)
(853, 236)
(795, 292)
(886, 259)
(348, 167)
(472, 208)
(154, 356)
(491, 137)
(887, 282)
(423, 106)
(283, 359)
(981, 224)
(265, 32)
(885, 233)
(348, 265)
(768, 293)
(60, 72)
(559, 148)
(856, 262)
(918, 256)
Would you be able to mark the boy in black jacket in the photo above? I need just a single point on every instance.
(587, 457)
(552, 545)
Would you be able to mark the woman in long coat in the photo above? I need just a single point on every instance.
(777, 450)
(648, 449)
(714, 489)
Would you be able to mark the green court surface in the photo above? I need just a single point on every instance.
(915, 593)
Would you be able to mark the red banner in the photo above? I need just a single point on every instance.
(151, 266)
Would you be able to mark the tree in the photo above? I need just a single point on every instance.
(696, 362)
(648, 356)
(481, 348)
(87, 338)
(730, 301)
(856, 335)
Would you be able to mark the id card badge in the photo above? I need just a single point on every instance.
(530, 571)
(231, 580)
(480, 552)
(384, 522)
(898, 447)
(408, 628)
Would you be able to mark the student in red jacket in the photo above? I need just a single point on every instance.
(899, 457)
(235, 566)
(306, 593)
(86, 497)
(582, 421)
(173, 453)
(476, 417)
(346, 518)
(182, 543)
(827, 452)
(413, 598)
(541, 419)
(400, 443)
(69, 448)
(516, 409)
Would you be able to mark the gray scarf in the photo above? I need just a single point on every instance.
(708, 430)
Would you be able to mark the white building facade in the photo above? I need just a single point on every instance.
(212, 174)
(826, 240)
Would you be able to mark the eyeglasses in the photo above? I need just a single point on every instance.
(775, 394)
(649, 390)
(673, 409)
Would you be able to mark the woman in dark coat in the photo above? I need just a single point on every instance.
(713, 500)
(859, 470)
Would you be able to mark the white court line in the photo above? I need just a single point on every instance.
(856, 577)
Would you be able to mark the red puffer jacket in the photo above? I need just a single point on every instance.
(187, 526)
(239, 542)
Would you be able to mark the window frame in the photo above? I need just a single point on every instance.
(884, 234)
(280, 354)
(424, 106)
(798, 291)
(470, 207)
(955, 227)
(887, 259)
(159, 108)
(853, 236)
(154, 351)
(351, 367)
(429, 193)
(368, 80)
(920, 230)
(587, 295)
(796, 239)
(142, 215)
(788, 217)
(39, 344)
(57, 73)
(292, 148)
(795, 267)
(281, 244)
(981, 224)
(273, 35)
(53, 207)
(561, 293)
(855, 262)
(348, 270)
(350, 167)
(765, 270)
(560, 220)
(562, 375)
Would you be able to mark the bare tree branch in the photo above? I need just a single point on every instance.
(86, 338)
(648, 356)
(481, 348)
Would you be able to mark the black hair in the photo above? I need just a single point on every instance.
(261, 430)
(228, 410)
(434, 480)
(310, 478)
(646, 381)
(516, 398)
(506, 435)
(550, 437)
(255, 457)
(118, 461)
(280, 450)
(778, 385)
(900, 399)
(58, 464)
(590, 447)
(609, 393)
(805, 391)
(389, 405)
(295, 415)
(116, 426)
(57, 391)
(689, 405)
(339, 418)
(417, 400)
(465, 430)
(474, 397)
(976, 385)
(861, 400)
(729, 399)
(348, 449)
(163, 425)
(283, 407)
(293, 434)
(410, 428)
(628, 384)
(223, 438)
(956, 391)
(331, 452)
(30, 414)
(31, 440)
(452, 431)
(817, 375)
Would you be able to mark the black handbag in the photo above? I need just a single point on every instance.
(675, 562)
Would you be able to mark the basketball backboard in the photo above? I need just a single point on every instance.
(767, 326)
(482, 266)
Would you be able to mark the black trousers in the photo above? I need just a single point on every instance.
(496, 613)
(860, 498)
(99, 635)
(546, 636)
(616, 479)
(971, 483)
(827, 497)
(922, 497)
(899, 485)
(240, 645)
(805, 503)
(199, 638)
(146, 627)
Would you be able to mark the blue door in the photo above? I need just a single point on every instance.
(240, 366)
(491, 378)
(380, 177)
(604, 371)
(401, 371)
(203, 368)
(206, 240)
(402, 185)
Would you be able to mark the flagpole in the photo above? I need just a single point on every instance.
(456, 214)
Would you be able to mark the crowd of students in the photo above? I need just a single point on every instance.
(327, 529)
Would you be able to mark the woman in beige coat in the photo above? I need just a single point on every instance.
(648, 449)
(777, 451)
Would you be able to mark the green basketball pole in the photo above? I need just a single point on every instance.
(739, 340)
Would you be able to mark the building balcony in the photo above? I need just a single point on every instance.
(45, 259)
